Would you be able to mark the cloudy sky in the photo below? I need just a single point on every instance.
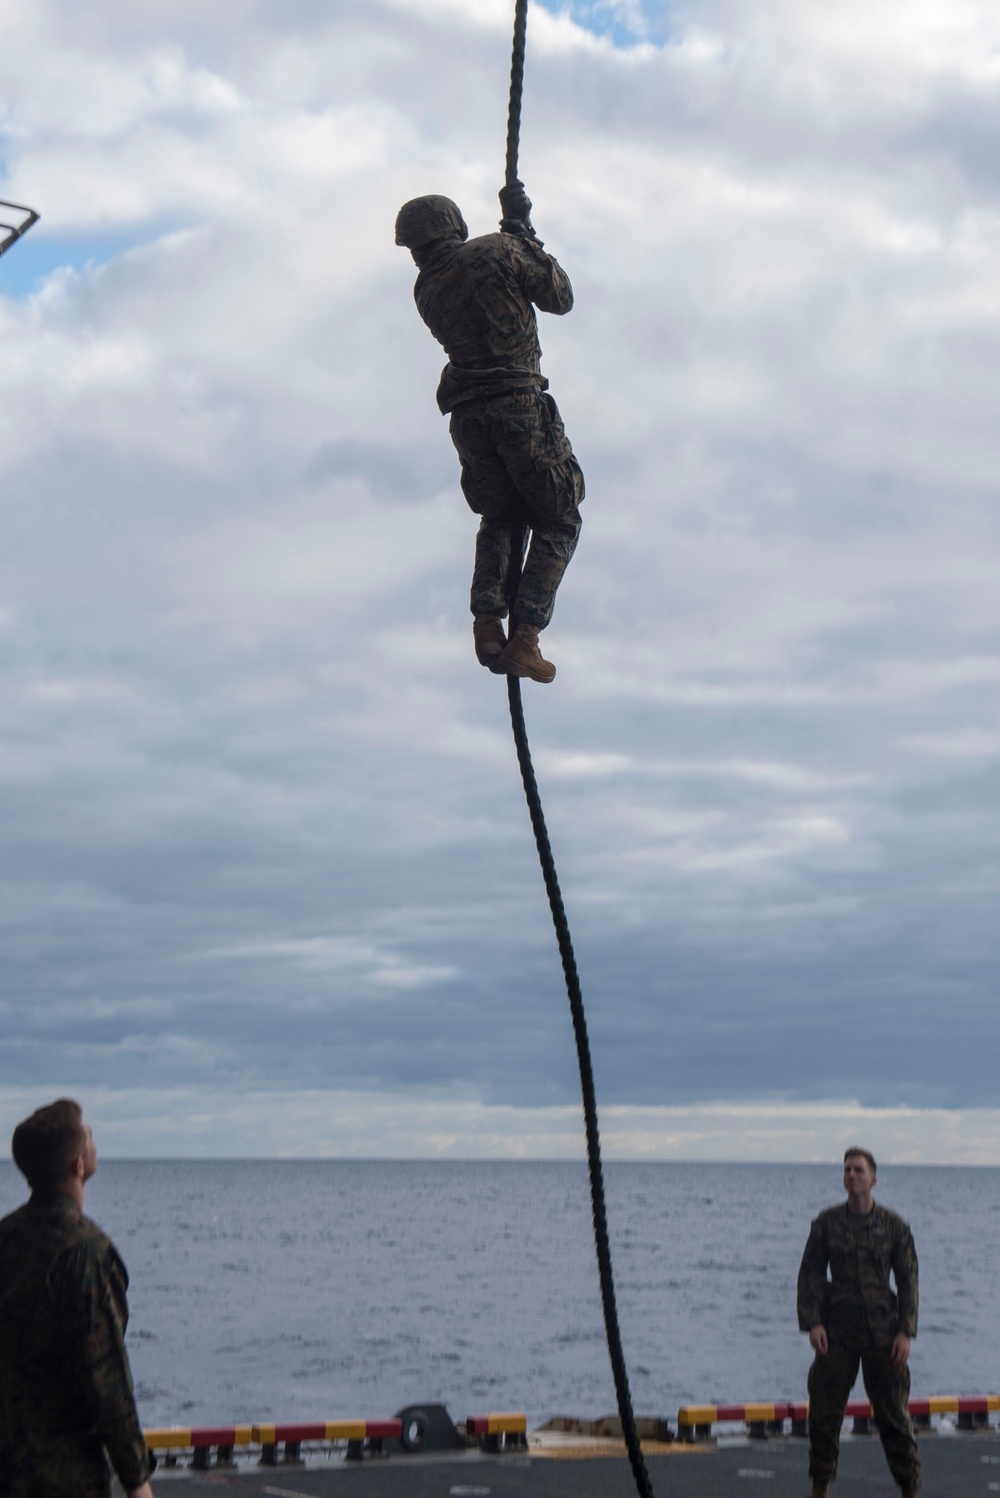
(268, 884)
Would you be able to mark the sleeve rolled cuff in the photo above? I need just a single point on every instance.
(131, 1460)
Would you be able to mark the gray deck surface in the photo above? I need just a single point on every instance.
(956, 1466)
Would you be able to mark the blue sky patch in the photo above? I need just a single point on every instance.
(626, 22)
(29, 262)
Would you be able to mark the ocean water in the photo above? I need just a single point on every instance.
(315, 1289)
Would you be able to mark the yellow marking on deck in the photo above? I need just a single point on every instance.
(169, 1439)
(600, 1446)
(511, 1424)
(346, 1430)
(697, 1414)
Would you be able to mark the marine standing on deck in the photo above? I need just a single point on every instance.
(65, 1383)
(853, 1317)
(477, 296)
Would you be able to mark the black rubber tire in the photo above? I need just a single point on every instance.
(418, 1423)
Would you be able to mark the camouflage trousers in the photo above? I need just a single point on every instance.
(831, 1379)
(518, 468)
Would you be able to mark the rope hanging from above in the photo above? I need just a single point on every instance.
(600, 1216)
(516, 89)
(545, 858)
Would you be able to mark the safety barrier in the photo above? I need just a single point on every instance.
(355, 1432)
(499, 1431)
(508, 1431)
(695, 1421)
(974, 1414)
(359, 1435)
(222, 1439)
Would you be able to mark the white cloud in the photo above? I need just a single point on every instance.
(242, 714)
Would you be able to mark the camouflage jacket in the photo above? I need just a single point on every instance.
(65, 1384)
(476, 298)
(856, 1302)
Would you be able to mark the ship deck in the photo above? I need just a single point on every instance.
(957, 1465)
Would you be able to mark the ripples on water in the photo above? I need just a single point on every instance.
(313, 1289)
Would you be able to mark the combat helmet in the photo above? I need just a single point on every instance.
(422, 220)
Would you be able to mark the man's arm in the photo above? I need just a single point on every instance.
(105, 1372)
(541, 277)
(811, 1288)
(905, 1273)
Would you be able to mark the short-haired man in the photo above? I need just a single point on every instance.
(65, 1384)
(853, 1317)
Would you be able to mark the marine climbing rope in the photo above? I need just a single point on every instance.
(545, 858)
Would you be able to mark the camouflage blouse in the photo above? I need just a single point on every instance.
(856, 1303)
(65, 1383)
(476, 297)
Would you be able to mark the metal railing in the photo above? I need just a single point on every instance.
(13, 232)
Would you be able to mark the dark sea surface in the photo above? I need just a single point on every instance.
(318, 1289)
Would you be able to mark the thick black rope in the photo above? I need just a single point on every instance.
(601, 1239)
(516, 87)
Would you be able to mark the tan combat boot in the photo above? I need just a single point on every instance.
(523, 657)
(490, 640)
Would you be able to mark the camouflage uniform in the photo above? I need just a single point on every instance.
(517, 464)
(862, 1317)
(65, 1384)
